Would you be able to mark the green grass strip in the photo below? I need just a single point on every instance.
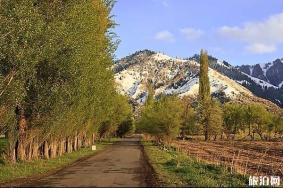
(177, 169)
(9, 172)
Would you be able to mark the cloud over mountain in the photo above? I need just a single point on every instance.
(191, 33)
(165, 36)
(260, 37)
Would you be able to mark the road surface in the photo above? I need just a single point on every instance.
(120, 165)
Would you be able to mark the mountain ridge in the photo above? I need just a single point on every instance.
(180, 76)
(271, 72)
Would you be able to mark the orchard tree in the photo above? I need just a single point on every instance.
(189, 119)
(215, 119)
(278, 125)
(233, 118)
(257, 118)
(162, 119)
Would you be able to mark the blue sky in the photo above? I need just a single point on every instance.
(239, 31)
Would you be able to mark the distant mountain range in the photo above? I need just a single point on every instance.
(271, 72)
(170, 75)
(263, 80)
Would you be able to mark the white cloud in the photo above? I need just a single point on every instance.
(261, 37)
(259, 48)
(191, 33)
(165, 36)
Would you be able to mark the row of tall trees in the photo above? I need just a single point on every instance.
(252, 119)
(57, 86)
(170, 117)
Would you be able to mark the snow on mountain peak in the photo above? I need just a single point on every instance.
(264, 67)
(162, 57)
(169, 76)
(221, 62)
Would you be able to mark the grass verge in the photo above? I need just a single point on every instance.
(3, 145)
(10, 172)
(177, 169)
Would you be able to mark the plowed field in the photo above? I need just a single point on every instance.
(246, 157)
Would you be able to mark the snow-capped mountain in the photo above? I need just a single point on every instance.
(170, 75)
(261, 88)
(271, 72)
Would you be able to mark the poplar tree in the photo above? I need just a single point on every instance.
(204, 86)
(204, 93)
(57, 87)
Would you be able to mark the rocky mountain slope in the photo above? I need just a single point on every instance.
(257, 86)
(178, 76)
(271, 72)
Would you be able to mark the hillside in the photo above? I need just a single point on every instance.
(261, 88)
(177, 76)
(271, 72)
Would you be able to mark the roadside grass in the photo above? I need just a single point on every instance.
(177, 169)
(3, 145)
(9, 172)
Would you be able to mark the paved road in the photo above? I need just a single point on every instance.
(120, 165)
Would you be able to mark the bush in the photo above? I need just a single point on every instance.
(125, 127)
(162, 118)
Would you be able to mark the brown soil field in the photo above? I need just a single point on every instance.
(245, 157)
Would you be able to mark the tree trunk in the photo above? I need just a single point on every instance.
(93, 138)
(22, 126)
(61, 148)
(12, 155)
(215, 137)
(79, 141)
(250, 134)
(29, 151)
(83, 139)
(53, 149)
(260, 135)
(35, 149)
(87, 141)
(206, 132)
(11, 149)
(75, 143)
(69, 145)
(46, 150)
